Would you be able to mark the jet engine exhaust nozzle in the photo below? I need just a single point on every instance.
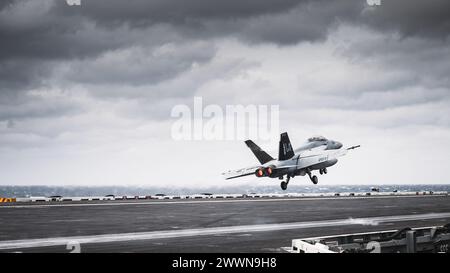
(260, 172)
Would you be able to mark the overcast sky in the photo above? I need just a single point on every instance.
(86, 91)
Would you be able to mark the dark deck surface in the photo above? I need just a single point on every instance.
(42, 220)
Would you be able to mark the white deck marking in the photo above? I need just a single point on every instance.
(164, 234)
(169, 202)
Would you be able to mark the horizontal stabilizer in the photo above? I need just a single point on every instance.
(240, 172)
(262, 156)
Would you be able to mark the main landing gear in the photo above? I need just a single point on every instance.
(313, 178)
(285, 184)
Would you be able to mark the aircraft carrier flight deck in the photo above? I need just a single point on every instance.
(208, 225)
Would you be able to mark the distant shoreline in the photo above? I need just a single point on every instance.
(24, 191)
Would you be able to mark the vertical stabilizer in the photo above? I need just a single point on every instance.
(285, 150)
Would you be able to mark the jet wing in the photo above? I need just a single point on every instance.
(240, 172)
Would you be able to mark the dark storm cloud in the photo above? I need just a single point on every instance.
(308, 21)
(41, 30)
(35, 32)
(429, 18)
(425, 61)
(52, 29)
(144, 12)
(6, 3)
(38, 35)
(60, 31)
(277, 21)
(17, 73)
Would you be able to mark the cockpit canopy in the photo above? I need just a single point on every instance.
(316, 138)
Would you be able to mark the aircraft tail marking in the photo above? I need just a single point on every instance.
(285, 150)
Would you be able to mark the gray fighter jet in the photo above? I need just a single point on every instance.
(318, 153)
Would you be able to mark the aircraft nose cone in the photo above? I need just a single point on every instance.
(338, 145)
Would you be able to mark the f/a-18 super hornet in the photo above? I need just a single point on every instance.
(318, 153)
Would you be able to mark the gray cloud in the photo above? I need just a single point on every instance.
(37, 108)
(146, 66)
(143, 13)
(105, 44)
(52, 29)
(429, 19)
(33, 33)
